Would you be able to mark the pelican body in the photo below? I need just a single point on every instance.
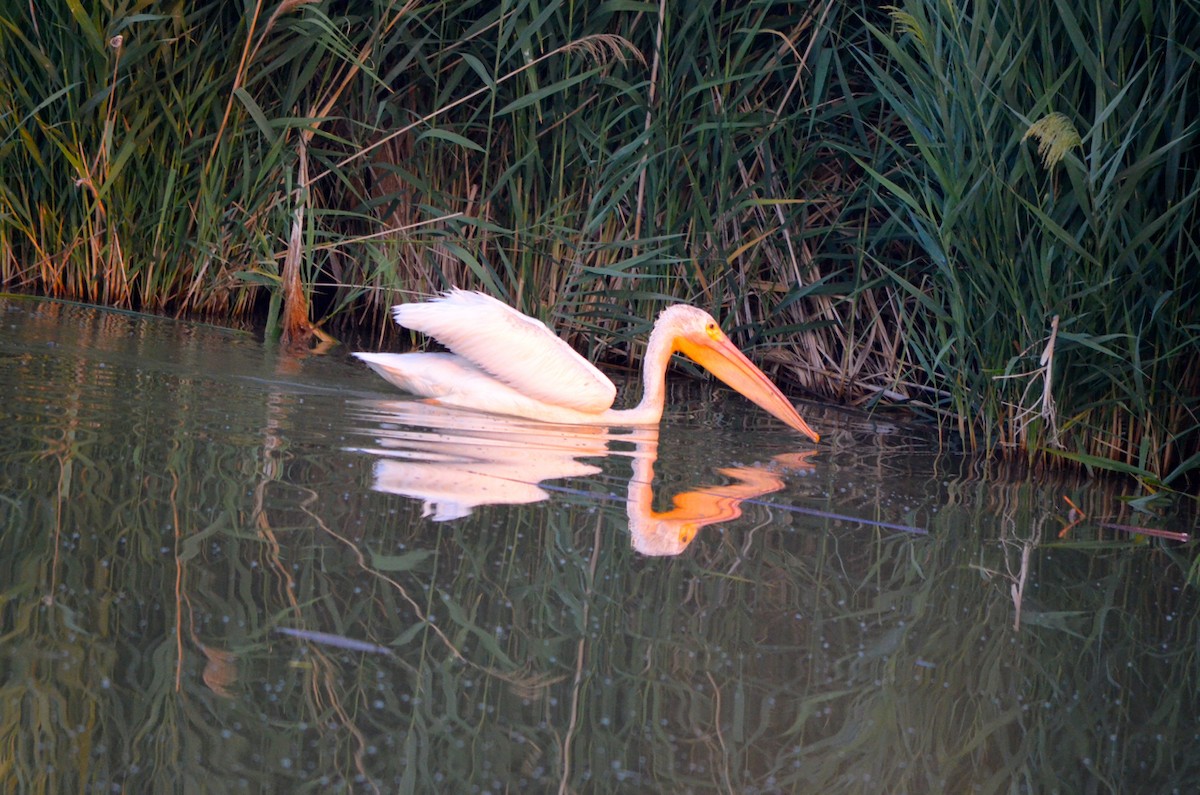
(504, 362)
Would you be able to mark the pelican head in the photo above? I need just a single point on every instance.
(695, 334)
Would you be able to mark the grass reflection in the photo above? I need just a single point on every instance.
(532, 647)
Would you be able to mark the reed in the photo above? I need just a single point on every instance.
(889, 206)
(1042, 162)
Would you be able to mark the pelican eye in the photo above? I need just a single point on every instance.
(712, 330)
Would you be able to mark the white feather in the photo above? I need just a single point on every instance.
(516, 349)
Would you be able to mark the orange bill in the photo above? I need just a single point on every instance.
(715, 353)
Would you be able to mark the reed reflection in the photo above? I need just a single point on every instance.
(454, 461)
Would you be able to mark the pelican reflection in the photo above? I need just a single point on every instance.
(454, 461)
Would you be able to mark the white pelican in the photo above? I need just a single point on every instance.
(504, 362)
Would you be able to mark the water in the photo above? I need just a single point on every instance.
(227, 569)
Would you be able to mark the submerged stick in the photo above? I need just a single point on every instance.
(1148, 531)
(330, 639)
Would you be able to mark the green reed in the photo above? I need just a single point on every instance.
(890, 206)
(1043, 162)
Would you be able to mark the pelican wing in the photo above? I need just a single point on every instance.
(513, 347)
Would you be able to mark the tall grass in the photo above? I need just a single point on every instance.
(886, 206)
(674, 161)
(1044, 162)
(151, 159)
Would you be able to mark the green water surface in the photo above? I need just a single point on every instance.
(226, 569)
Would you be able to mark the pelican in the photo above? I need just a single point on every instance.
(504, 362)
